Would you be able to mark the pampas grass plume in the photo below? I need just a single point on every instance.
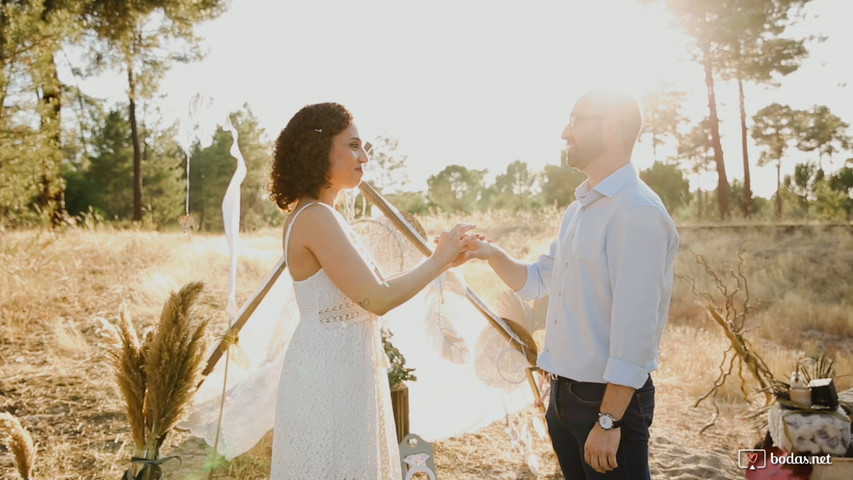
(158, 371)
(19, 442)
(128, 361)
(175, 351)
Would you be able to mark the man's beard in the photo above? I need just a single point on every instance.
(581, 157)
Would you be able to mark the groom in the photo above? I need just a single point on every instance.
(609, 276)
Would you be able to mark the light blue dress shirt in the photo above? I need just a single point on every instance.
(609, 275)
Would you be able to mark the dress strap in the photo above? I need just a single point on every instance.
(290, 227)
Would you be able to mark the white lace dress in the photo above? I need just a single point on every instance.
(333, 417)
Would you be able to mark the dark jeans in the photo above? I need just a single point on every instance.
(573, 411)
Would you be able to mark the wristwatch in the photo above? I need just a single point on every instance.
(607, 422)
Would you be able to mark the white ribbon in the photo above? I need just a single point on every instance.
(231, 218)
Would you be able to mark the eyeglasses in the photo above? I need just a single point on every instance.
(574, 119)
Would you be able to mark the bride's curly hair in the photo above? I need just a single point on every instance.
(300, 164)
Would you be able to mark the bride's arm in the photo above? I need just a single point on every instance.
(330, 245)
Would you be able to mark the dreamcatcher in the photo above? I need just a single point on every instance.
(469, 372)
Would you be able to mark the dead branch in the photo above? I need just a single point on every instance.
(730, 309)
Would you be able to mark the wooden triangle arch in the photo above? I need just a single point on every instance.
(513, 333)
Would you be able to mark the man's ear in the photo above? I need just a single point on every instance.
(611, 127)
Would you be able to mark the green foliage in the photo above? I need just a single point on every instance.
(398, 372)
(102, 185)
(142, 39)
(21, 147)
(695, 148)
(774, 129)
(256, 209)
(211, 169)
(842, 182)
(456, 189)
(662, 117)
(412, 202)
(560, 183)
(107, 184)
(514, 190)
(758, 205)
(30, 102)
(669, 183)
(819, 129)
(816, 195)
(777, 128)
(164, 179)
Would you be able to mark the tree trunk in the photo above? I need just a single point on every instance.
(779, 189)
(699, 203)
(52, 192)
(137, 152)
(747, 189)
(723, 192)
(4, 26)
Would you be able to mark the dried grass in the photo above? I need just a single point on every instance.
(157, 375)
(18, 440)
(174, 359)
(801, 283)
(129, 365)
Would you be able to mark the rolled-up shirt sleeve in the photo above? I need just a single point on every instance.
(539, 275)
(637, 251)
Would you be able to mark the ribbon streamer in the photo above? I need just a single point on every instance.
(231, 218)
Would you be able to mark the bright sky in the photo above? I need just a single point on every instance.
(479, 83)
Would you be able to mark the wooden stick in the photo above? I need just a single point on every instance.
(529, 351)
(243, 315)
(531, 380)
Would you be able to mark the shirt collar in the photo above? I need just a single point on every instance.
(608, 187)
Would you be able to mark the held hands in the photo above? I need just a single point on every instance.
(472, 245)
(453, 245)
(481, 248)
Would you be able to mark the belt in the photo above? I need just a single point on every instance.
(556, 378)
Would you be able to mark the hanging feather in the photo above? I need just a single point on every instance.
(439, 329)
(530, 316)
(512, 307)
(450, 283)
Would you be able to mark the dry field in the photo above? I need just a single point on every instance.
(56, 290)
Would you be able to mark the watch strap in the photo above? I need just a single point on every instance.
(613, 422)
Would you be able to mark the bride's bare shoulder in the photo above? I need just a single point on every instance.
(316, 219)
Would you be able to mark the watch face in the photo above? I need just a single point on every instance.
(606, 422)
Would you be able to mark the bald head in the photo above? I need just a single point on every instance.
(621, 108)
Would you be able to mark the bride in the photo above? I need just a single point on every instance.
(333, 414)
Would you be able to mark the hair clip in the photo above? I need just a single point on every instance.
(318, 130)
